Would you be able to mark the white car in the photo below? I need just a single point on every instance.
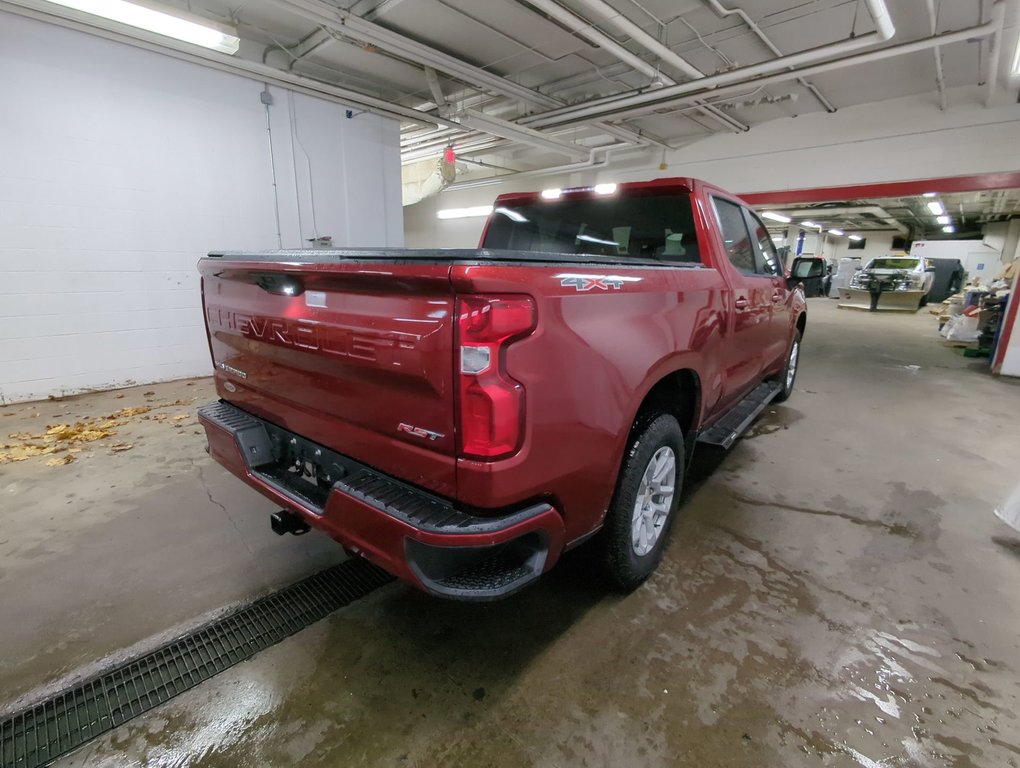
(904, 281)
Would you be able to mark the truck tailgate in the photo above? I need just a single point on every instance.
(356, 356)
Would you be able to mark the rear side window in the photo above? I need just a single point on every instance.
(735, 235)
(657, 228)
(766, 260)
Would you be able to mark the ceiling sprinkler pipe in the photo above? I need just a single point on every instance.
(757, 75)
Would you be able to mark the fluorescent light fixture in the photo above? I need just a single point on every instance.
(949, 230)
(936, 208)
(776, 217)
(854, 237)
(169, 24)
(810, 224)
(930, 194)
(1015, 69)
(835, 231)
(510, 214)
(605, 189)
(942, 219)
(464, 213)
(551, 194)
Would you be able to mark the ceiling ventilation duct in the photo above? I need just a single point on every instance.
(426, 178)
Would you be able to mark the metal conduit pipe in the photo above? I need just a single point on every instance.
(995, 50)
(263, 73)
(753, 26)
(583, 165)
(583, 28)
(736, 81)
(884, 31)
(940, 79)
(665, 54)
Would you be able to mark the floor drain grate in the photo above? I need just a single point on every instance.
(54, 727)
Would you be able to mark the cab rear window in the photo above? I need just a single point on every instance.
(659, 228)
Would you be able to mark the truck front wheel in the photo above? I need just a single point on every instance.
(645, 503)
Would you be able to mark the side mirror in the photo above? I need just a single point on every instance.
(929, 269)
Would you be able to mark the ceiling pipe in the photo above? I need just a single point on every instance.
(995, 51)
(588, 164)
(940, 79)
(582, 27)
(263, 73)
(494, 126)
(790, 61)
(352, 26)
(664, 53)
(723, 12)
(738, 80)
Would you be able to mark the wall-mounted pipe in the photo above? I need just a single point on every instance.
(940, 79)
(994, 51)
(588, 164)
(723, 12)
(263, 73)
(757, 75)
(664, 53)
(583, 28)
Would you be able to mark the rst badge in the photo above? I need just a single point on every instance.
(410, 429)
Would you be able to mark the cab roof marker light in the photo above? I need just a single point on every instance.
(936, 208)
(605, 189)
(464, 213)
(172, 23)
(551, 194)
(776, 217)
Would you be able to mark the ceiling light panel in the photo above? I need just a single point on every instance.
(170, 23)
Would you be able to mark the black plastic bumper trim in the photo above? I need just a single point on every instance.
(261, 443)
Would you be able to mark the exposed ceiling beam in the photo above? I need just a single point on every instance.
(355, 27)
(139, 38)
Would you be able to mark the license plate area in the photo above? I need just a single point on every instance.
(304, 470)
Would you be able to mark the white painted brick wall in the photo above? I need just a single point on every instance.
(121, 168)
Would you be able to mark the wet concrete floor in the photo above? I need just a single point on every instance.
(837, 592)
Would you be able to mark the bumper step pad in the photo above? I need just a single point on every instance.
(41, 733)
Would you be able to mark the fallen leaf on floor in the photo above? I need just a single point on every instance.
(118, 396)
(60, 461)
(129, 412)
(150, 393)
(160, 417)
(182, 416)
(118, 447)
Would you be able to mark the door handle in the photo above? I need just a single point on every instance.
(740, 303)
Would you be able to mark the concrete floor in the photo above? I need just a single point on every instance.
(837, 592)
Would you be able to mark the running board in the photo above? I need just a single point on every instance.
(736, 421)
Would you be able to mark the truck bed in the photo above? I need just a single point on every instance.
(433, 255)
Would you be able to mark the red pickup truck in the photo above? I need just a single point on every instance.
(463, 417)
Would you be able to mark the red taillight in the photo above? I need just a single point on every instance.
(491, 403)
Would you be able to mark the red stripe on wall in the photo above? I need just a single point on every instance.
(1004, 180)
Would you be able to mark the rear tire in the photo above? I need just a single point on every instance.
(789, 374)
(644, 506)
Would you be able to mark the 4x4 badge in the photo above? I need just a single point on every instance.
(583, 283)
